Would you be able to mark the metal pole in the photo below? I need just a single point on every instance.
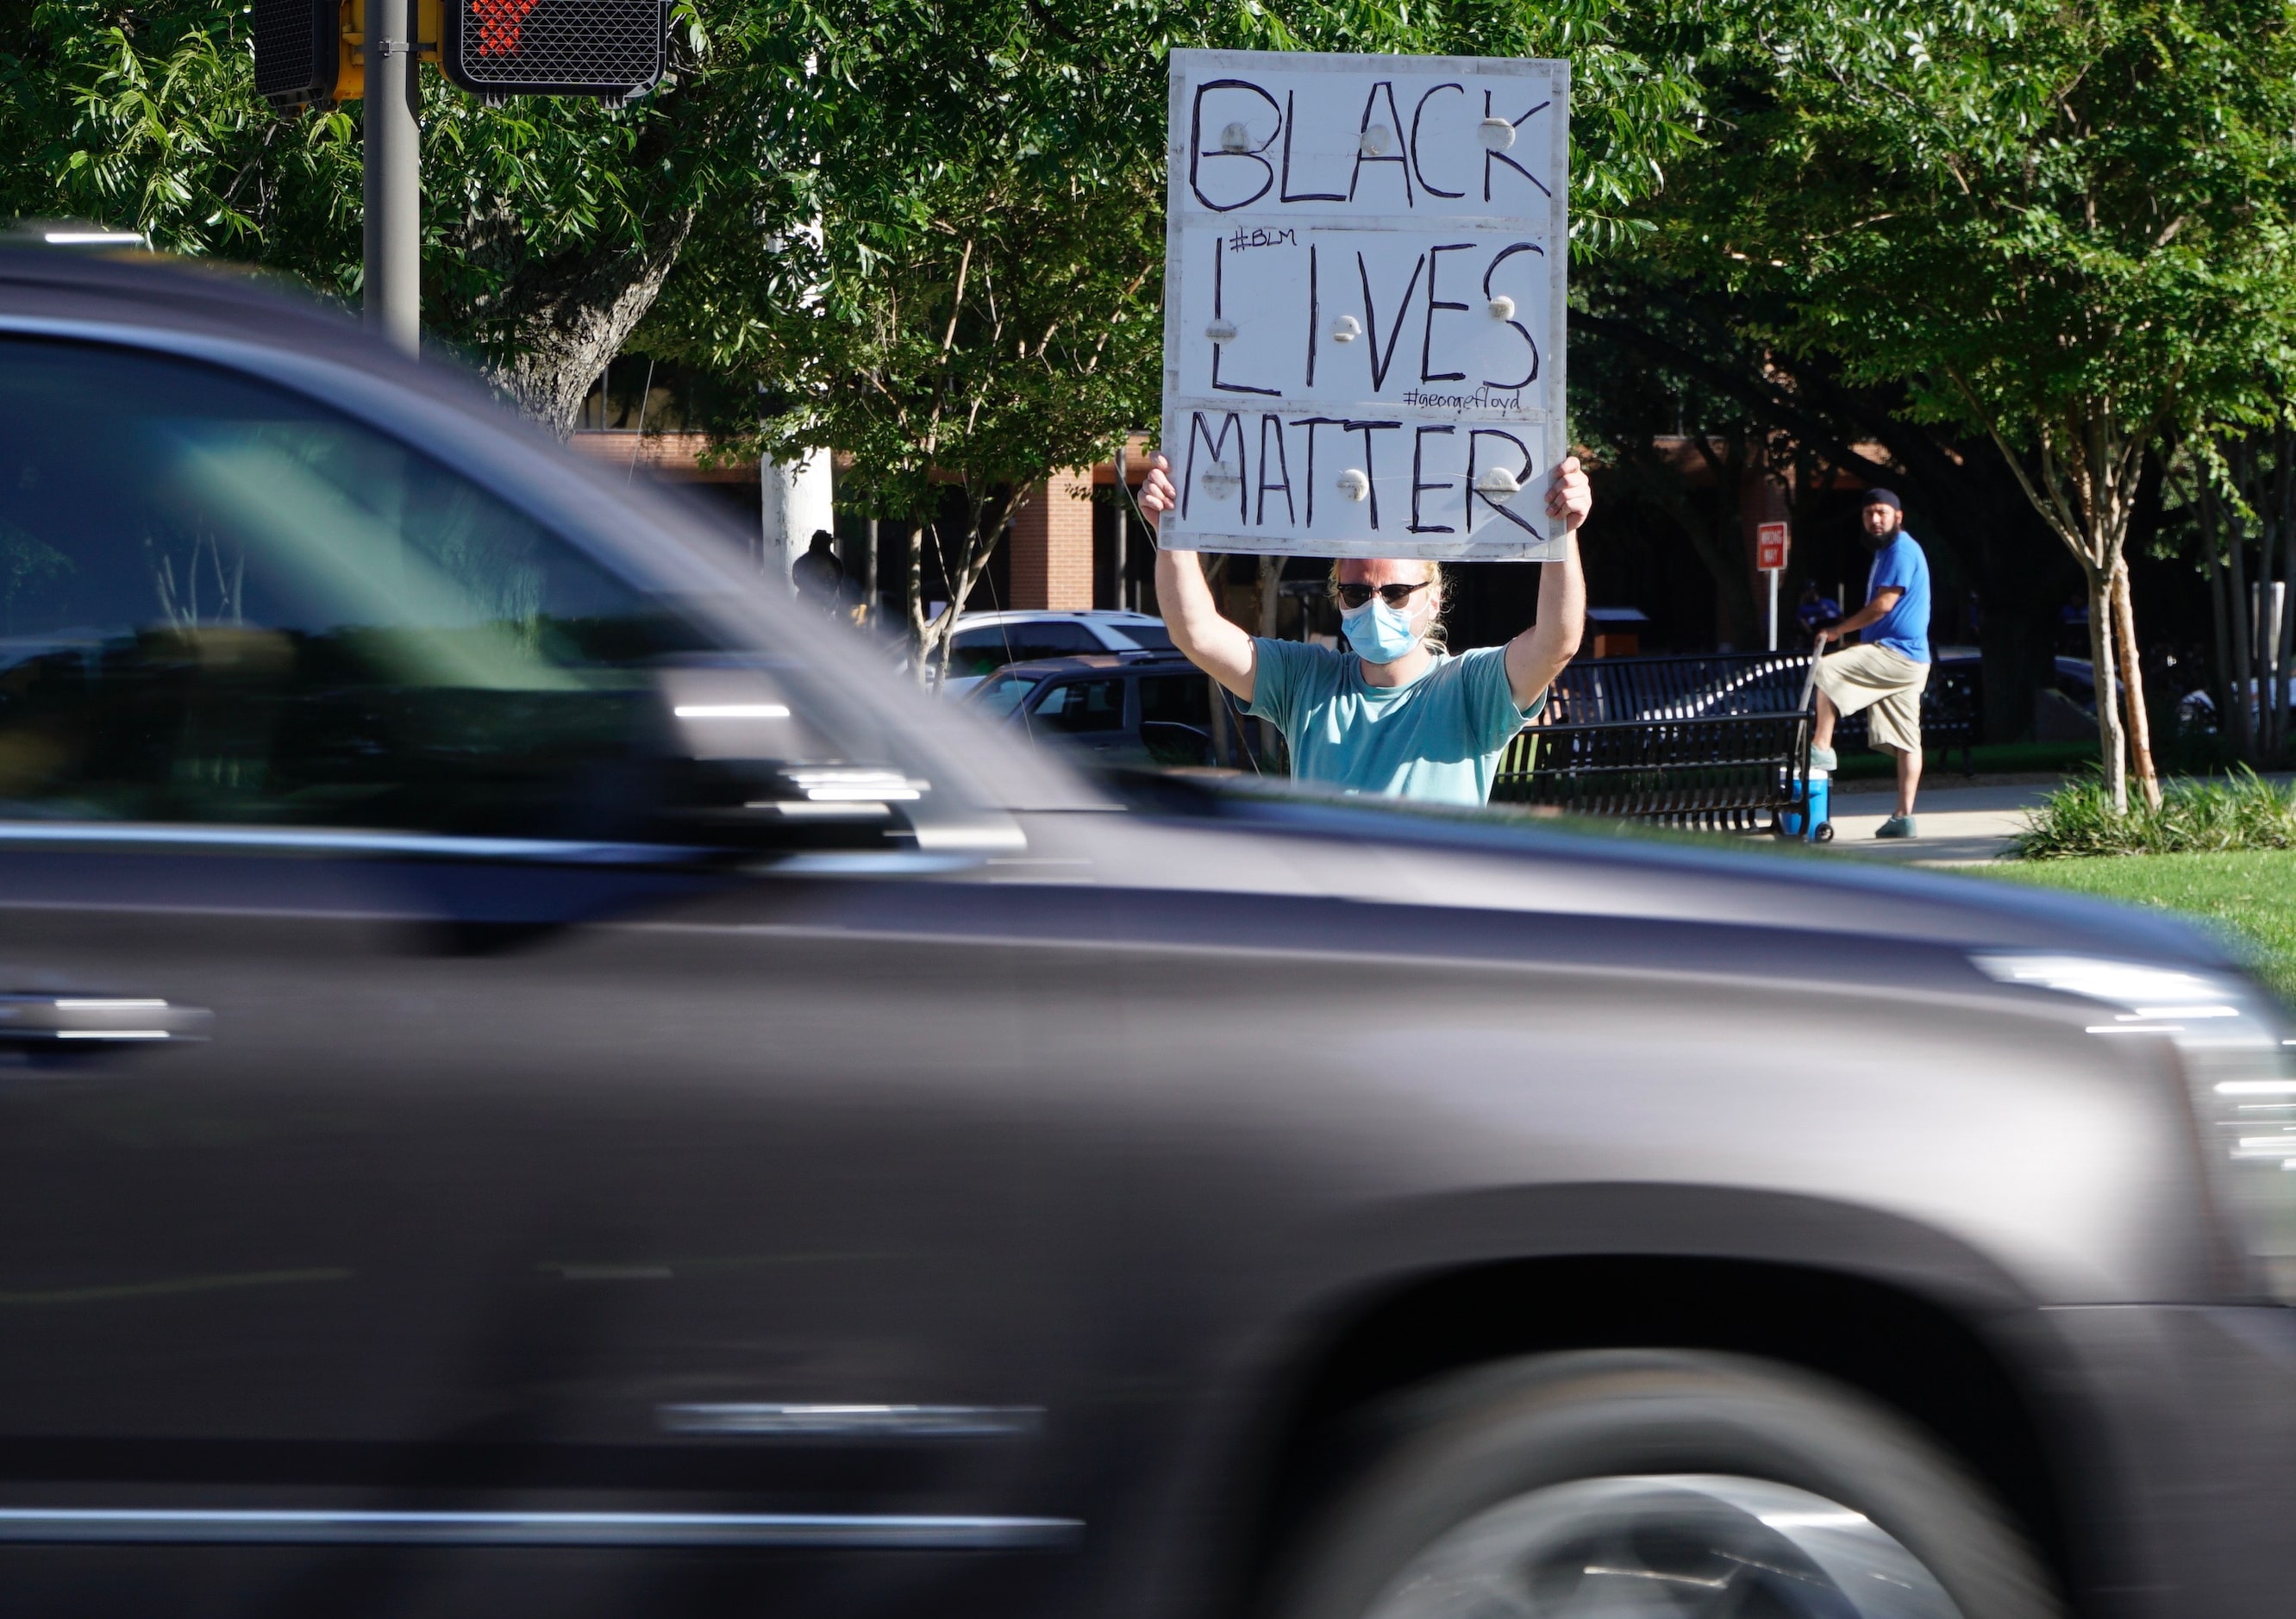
(1773, 607)
(1123, 567)
(394, 177)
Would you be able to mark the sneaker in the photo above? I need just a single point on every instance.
(1896, 826)
(1822, 759)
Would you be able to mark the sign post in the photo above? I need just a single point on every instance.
(322, 52)
(1364, 304)
(393, 291)
(1770, 557)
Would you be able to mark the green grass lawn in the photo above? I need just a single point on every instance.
(2250, 895)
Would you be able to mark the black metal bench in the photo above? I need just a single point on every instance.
(1710, 686)
(1726, 773)
(1719, 741)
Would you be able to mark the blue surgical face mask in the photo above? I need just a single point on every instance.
(1378, 632)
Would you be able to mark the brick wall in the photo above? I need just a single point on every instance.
(1052, 546)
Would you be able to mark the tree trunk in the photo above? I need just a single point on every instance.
(2278, 529)
(913, 594)
(2107, 688)
(2132, 687)
(988, 517)
(2242, 714)
(1712, 525)
(2220, 616)
(2264, 637)
(561, 320)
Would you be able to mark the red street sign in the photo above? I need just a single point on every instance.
(1770, 548)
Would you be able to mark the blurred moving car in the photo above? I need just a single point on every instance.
(985, 642)
(542, 1079)
(1141, 710)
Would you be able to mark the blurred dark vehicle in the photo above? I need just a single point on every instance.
(542, 1079)
(1138, 709)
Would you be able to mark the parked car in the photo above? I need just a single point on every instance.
(542, 1079)
(985, 642)
(2196, 710)
(1135, 710)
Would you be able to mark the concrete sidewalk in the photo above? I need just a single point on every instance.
(1958, 825)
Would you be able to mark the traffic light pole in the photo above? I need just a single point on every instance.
(394, 176)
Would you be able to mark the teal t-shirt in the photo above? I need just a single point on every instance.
(1437, 739)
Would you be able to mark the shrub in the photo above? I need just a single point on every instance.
(2241, 811)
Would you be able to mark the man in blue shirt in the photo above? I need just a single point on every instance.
(1888, 672)
(1397, 713)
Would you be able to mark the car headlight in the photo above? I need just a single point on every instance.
(2237, 1068)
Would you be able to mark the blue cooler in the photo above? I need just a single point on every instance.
(1813, 821)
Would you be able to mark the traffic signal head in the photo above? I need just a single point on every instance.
(298, 50)
(608, 48)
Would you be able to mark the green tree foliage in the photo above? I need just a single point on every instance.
(549, 224)
(926, 234)
(1654, 354)
(2062, 227)
(980, 299)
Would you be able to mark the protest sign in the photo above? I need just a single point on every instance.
(1364, 304)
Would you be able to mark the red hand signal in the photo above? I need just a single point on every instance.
(498, 24)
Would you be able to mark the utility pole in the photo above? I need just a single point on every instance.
(322, 52)
(394, 176)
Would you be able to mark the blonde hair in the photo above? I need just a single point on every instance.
(1436, 639)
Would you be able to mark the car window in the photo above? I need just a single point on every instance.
(1082, 706)
(220, 602)
(1148, 637)
(991, 646)
(975, 652)
(1001, 694)
(1177, 700)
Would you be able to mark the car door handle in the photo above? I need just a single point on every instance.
(97, 1022)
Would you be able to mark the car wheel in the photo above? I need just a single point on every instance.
(1645, 1483)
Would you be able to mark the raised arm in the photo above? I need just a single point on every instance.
(1537, 656)
(1213, 643)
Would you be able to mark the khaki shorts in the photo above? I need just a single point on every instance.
(1883, 680)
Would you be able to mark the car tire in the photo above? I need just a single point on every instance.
(1651, 1482)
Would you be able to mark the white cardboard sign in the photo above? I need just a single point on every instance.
(1364, 304)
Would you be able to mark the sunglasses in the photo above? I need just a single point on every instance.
(1394, 595)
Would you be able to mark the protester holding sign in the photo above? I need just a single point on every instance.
(1365, 303)
(1887, 671)
(1365, 295)
(1393, 714)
